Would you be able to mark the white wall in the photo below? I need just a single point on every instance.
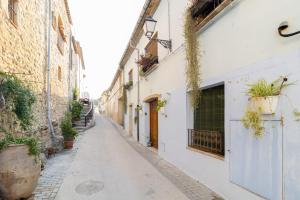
(241, 46)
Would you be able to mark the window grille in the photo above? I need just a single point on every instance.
(208, 132)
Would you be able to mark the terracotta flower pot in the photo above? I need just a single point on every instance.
(19, 172)
(68, 144)
(266, 105)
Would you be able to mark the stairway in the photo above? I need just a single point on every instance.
(86, 118)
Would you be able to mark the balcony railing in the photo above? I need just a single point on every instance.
(148, 62)
(208, 141)
(202, 8)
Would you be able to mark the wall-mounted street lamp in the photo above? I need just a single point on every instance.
(283, 26)
(149, 27)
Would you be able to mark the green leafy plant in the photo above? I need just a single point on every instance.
(76, 108)
(297, 115)
(192, 56)
(263, 89)
(20, 99)
(161, 104)
(75, 93)
(31, 142)
(128, 85)
(252, 120)
(68, 132)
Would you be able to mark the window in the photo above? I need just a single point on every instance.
(61, 38)
(12, 11)
(208, 132)
(130, 76)
(54, 22)
(59, 73)
(204, 10)
(150, 59)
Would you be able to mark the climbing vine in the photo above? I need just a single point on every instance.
(18, 98)
(192, 56)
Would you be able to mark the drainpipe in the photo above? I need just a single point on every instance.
(70, 67)
(138, 91)
(49, 76)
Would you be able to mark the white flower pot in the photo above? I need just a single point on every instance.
(266, 105)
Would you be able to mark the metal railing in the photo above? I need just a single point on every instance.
(209, 141)
(89, 115)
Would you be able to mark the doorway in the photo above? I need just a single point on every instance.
(153, 124)
(130, 119)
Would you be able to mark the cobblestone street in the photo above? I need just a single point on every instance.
(106, 164)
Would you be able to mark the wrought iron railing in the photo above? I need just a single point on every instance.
(89, 115)
(202, 8)
(148, 63)
(209, 141)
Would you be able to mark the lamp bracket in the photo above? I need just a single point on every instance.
(165, 43)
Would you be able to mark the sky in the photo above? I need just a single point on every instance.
(103, 29)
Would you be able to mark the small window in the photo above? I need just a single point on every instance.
(54, 21)
(204, 11)
(61, 38)
(208, 132)
(59, 73)
(130, 76)
(12, 11)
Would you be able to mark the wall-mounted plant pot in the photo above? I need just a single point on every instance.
(266, 105)
(19, 172)
(68, 144)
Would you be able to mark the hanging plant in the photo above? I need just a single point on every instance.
(18, 99)
(192, 56)
(161, 104)
(252, 120)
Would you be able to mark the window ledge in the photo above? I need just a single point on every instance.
(222, 158)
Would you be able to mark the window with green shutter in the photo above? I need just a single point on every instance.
(208, 132)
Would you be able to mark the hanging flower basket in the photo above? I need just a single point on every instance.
(266, 105)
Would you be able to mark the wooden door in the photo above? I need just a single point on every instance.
(130, 119)
(154, 124)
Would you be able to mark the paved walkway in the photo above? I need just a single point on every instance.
(110, 166)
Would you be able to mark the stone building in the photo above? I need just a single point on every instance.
(24, 39)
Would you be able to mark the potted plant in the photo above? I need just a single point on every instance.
(264, 96)
(161, 105)
(76, 108)
(20, 166)
(19, 156)
(68, 132)
(128, 85)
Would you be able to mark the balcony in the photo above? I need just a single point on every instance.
(208, 141)
(147, 63)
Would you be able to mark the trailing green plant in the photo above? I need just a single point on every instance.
(263, 89)
(31, 142)
(68, 132)
(75, 93)
(161, 104)
(297, 115)
(76, 108)
(252, 120)
(19, 99)
(192, 56)
(128, 85)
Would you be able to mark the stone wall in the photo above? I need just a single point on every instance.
(23, 52)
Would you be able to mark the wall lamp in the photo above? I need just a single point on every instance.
(149, 27)
(283, 26)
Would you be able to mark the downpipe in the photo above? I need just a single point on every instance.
(49, 114)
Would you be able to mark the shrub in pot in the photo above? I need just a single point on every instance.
(264, 96)
(76, 108)
(20, 166)
(68, 132)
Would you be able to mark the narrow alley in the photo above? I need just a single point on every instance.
(108, 165)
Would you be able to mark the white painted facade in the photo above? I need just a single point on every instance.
(239, 46)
